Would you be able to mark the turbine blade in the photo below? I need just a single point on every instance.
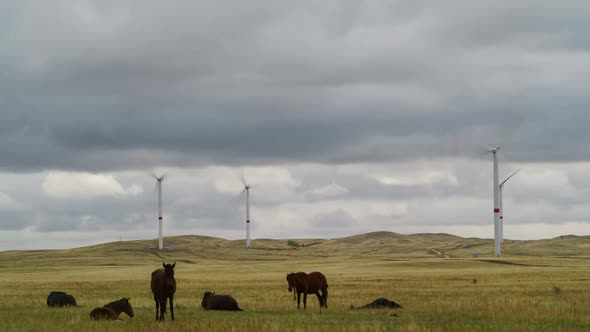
(240, 175)
(508, 178)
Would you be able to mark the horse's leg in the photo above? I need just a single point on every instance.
(162, 307)
(171, 307)
(305, 300)
(325, 295)
(157, 306)
(320, 298)
(298, 299)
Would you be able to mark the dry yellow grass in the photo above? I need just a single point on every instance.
(523, 291)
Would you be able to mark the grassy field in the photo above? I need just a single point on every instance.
(537, 286)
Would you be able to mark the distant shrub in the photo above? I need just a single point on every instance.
(556, 290)
(293, 243)
(474, 280)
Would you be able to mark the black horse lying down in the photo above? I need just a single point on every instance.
(60, 299)
(379, 304)
(219, 302)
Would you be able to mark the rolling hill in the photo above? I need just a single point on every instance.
(376, 245)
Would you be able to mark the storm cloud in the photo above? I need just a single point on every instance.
(342, 103)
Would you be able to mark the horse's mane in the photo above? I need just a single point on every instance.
(296, 277)
(116, 303)
(120, 306)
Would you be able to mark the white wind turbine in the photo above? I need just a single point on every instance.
(501, 185)
(246, 190)
(496, 185)
(159, 181)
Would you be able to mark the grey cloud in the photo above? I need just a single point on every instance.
(275, 83)
(311, 86)
(15, 219)
(338, 220)
(209, 211)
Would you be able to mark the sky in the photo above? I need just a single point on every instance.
(346, 116)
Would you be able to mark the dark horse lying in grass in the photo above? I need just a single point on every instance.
(112, 310)
(379, 303)
(163, 286)
(219, 302)
(311, 283)
(60, 299)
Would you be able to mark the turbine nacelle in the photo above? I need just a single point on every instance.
(158, 178)
(494, 149)
(247, 187)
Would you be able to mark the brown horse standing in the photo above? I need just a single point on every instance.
(311, 283)
(112, 310)
(163, 286)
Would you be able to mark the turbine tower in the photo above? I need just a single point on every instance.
(501, 186)
(496, 185)
(246, 190)
(160, 218)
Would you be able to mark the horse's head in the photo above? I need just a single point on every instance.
(119, 306)
(169, 269)
(205, 298)
(291, 281)
(70, 300)
(127, 308)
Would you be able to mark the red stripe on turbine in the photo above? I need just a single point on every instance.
(247, 221)
(496, 210)
(501, 217)
(160, 218)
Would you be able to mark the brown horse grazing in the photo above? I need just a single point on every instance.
(219, 302)
(311, 283)
(163, 286)
(112, 310)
